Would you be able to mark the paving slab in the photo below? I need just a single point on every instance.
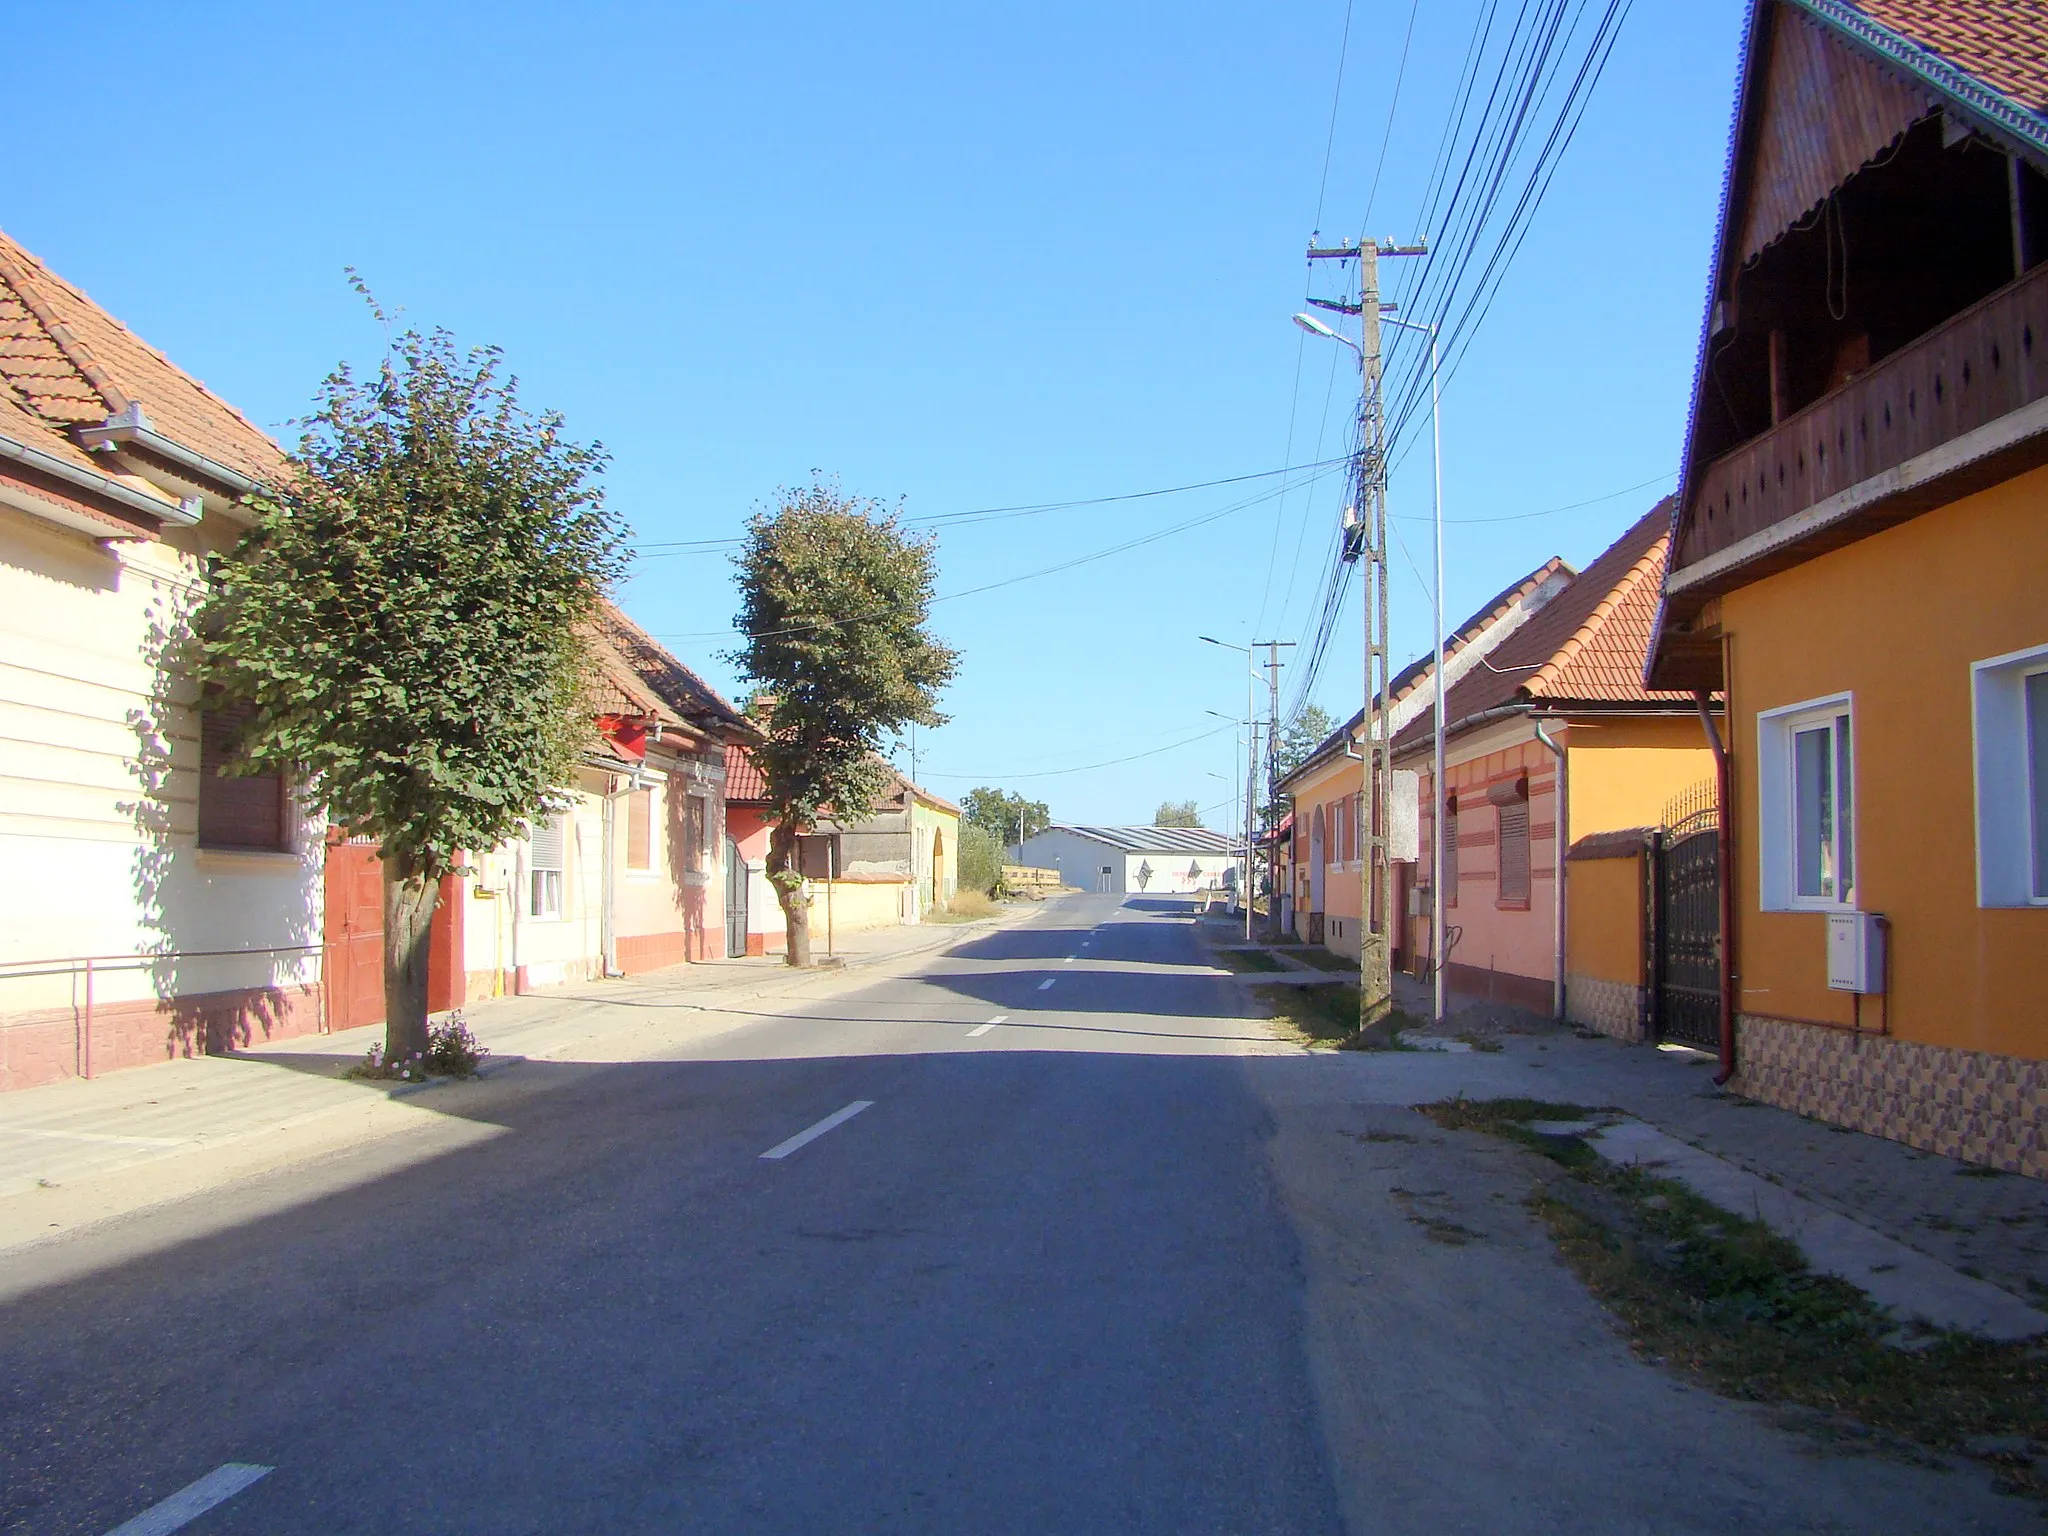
(1906, 1281)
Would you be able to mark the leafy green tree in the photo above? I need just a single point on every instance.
(833, 603)
(406, 624)
(1298, 743)
(1008, 817)
(1299, 740)
(1177, 813)
(981, 859)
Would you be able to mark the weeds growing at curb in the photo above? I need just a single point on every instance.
(452, 1051)
(1733, 1304)
(965, 907)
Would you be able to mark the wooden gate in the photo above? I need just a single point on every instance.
(352, 933)
(1685, 926)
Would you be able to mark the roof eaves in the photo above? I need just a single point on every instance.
(1993, 108)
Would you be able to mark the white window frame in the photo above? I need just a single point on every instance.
(534, 870)
(2006, 876)
(1777, 832)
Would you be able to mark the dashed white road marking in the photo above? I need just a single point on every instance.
(193, 1500)
(1047, 982)
(982, 1030)
(1068, 961)
(804, 1138)
(1001, 1018)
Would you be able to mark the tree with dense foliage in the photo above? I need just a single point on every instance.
(834, 598)
(1298, 743)
(1177, 813)
(981, 858)
(404, 625)
(1009, 818)
(1300, 739)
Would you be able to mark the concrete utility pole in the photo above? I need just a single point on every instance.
(1273, 649)
(1376, 884)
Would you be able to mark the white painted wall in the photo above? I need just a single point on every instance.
(99, 759)
(1080, 860)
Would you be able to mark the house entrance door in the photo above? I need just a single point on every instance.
(736, 922)
(1685, 931)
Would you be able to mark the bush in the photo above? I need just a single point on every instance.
(981, 859)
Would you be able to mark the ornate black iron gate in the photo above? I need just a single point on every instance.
(1685, 928)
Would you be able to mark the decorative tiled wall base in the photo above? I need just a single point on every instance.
(1973, 1105)
(1612, 1007)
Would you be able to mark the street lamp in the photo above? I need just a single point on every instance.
(1251, 771)
(1436, 834)
(1316, 327)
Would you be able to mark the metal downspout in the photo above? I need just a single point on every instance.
(1724, 873)
(1561, 842)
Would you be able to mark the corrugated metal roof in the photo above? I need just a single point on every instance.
(1155, 839)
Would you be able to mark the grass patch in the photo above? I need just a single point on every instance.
(1326, 960)
(965, 907)
(1326, 1018)
(1247, 960)
(1731, 1303)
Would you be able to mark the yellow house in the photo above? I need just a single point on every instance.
(1860, 559)
(895, 866)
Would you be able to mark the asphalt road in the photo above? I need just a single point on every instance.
(1041, 1284)
(1076, 1247)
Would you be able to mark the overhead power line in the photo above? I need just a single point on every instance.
(1051, 773)
(987, 514)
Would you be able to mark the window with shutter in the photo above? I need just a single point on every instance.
(242, 811)
(547, 848)
(640, 829)
(1514, 853)
(1451, 853)
(695, 839)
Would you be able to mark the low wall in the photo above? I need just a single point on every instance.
(1606, 987)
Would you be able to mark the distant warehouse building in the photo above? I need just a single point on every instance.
(1161, 860)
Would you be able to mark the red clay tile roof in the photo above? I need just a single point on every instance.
(2003, 43)
(1411, 677)
(73, 364)
(743, 781)
(1586, 647)
(681, 689)
(21, 425)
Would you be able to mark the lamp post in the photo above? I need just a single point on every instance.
(1437, 795)
(1251, 772)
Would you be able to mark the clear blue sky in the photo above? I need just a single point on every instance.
(969, 256)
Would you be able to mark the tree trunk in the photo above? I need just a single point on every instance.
(796, 906)
(410, 897)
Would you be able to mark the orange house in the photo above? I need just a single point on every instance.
(1860, 559)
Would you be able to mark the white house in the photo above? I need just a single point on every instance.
(153, 908)
(1169, 861)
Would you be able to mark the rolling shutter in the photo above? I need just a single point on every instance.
(1514, 851)
(239, 812)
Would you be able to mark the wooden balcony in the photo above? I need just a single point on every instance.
(1986, 363)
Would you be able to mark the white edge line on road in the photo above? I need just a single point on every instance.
(1047, 983)
(193, 1500)
(804, 1138)
(982, 1030)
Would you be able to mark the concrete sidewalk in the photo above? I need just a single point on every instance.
(71, 1133)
